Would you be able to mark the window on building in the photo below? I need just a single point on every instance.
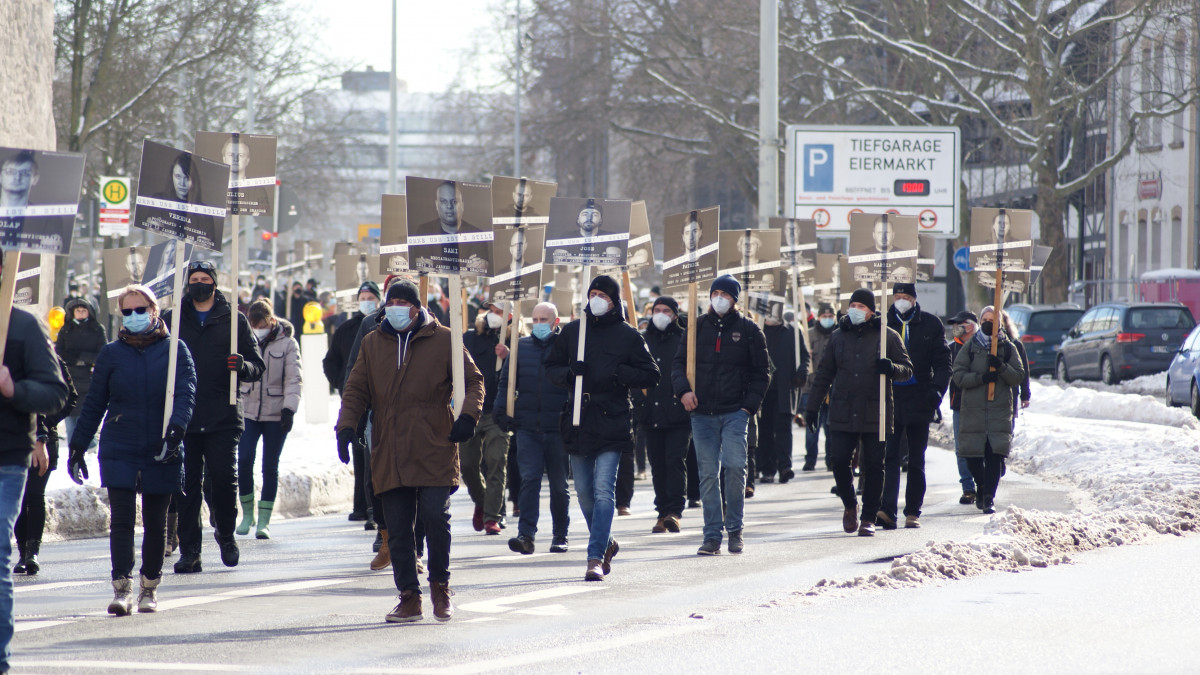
(1123, 247)
(1139, 251)
(1156, 233)
(1177, 245)
(1179, 87)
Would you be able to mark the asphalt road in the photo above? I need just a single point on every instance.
(305, 601)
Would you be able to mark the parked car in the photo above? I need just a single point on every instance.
(1042, 328)
(1120, 340)
(1183, 374)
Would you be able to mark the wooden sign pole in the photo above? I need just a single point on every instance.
(504, 332)
(510, 402)
(631, 315)
(233, 307)
(173, 349)
(422, 286)
(8, 287)
(456, 345)
(883, 379)
(997, 296)
(580, 349)
(466, 308)
(693, 324)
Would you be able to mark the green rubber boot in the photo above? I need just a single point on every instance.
(264, 520)
(247, 514)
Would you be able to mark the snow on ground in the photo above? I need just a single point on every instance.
(1137, 461)
(1154, 384)
(311, 481)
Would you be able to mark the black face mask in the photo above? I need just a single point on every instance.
(986, 327)
(201, 292)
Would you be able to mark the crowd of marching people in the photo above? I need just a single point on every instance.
(167, 426)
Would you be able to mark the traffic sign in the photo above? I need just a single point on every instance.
(114, 207)
(962, 259)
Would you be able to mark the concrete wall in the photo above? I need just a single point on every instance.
(27, 52)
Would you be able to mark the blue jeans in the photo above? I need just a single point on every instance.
(272, 437)
(12, 490)
(596, 489)
(721, 444)
(538, 452)
(964, 473)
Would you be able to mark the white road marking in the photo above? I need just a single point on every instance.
(514, 556)
(135, 665)
(500, 605)
(176, 603)
(29, 588)
(544, 610)
(22, 626)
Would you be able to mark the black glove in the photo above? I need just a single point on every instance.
(76, 466)
(990, 377)
(811, 418)
(463, 429)
(505, 422)
(800, 377)
(234, 362)
(995, 362)
(285, 419)
(883, 367)
(345, 436)
(578, 368)
(171, 441)
(935, 401)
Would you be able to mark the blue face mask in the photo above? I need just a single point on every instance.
(136, 323)
(367, 306)
(856, 315)
(827, 322)
(398, 317)
(542, 331)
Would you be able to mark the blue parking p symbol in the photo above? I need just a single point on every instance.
(818, 168)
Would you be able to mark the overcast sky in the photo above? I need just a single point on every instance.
(432, 35)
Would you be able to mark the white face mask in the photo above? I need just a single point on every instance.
(856, 315)
(494, 321)
(721, 304)
(598, 305)
(661, 321)
(261, 333)
(902, 306)
(827, 321)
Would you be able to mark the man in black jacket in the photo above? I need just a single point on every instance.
(210, 444)
(916, 400)
(489, 446)
(782, 399)
(849, 372)
(30, 385)
(732, 374)
(665, 424)
(615, 361)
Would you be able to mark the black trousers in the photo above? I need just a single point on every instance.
(358, 458)
(625, 480)
(120, 532)
(986, 471)
(911, 440)
(842, 445)
(210, 473)
(693, 472)
(31, 519)
(403, 507)
(667, 450)
(639, 450)
(774, 441)
(513, 475)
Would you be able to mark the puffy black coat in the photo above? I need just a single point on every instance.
(617, 360)
(539, 401)
(209, 347)
(78, 345)
(847, 374)
(930, 356)
(659, 408)
(38, 387)
(732, 365)
(788, 378)
(47, 425)
(369, 323)
(818, 338)
(482, 346)
(336, 363)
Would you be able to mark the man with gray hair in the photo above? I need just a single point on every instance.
(537, 405)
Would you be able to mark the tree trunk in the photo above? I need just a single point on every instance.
(1050, 207)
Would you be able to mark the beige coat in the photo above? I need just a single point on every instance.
(282, 380)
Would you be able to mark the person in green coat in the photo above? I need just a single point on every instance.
(985, 427)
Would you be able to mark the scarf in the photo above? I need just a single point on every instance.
(156, 332)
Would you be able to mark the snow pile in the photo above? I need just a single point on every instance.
(1137, 461)
(1154, 384)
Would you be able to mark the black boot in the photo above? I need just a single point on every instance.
(19, 568)
(229, 549)
(172, 533)
(189, 562)
(31, 553)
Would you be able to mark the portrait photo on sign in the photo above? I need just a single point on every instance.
(1001, 236)
(690, 246)
(883, 248)
(798, 241)
(351, 271)
(751, 256)
(517, 257)
(832, 284)
(584, 231)
(520, 201)
(393, 235)
(29, 281)
(39, 196)
(181, 195)
(926, 261)
(449, 226)
(251, 160)
(641, 246)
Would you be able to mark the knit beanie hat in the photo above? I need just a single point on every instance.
(608, 286)
(907, 289)
(668, 301)
(406, 290)
(865, 297)
(728, 284)
(371, 287)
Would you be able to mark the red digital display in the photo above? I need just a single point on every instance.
(911, 188)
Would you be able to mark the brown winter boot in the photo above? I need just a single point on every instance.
(660, 527)
(408, 610)
(443, 610)
(384, 557)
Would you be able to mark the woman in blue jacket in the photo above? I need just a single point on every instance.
(128, 391)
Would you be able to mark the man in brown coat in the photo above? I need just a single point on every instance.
(403, 373)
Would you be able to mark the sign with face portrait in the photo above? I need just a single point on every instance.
(751, 257)
(152, 266)
(1001, 238)
(588, 231)
(883, 248)
(832, 281)
(768, 305)
(517, 257)
(641, 246)
(393, 235)
(29, 281)
(351, 271)
(251, 160)
(181, 196)
(690, 245)
(520, 201)
(449, 226)
(798, 242)
(926, 257)
(39, 196)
